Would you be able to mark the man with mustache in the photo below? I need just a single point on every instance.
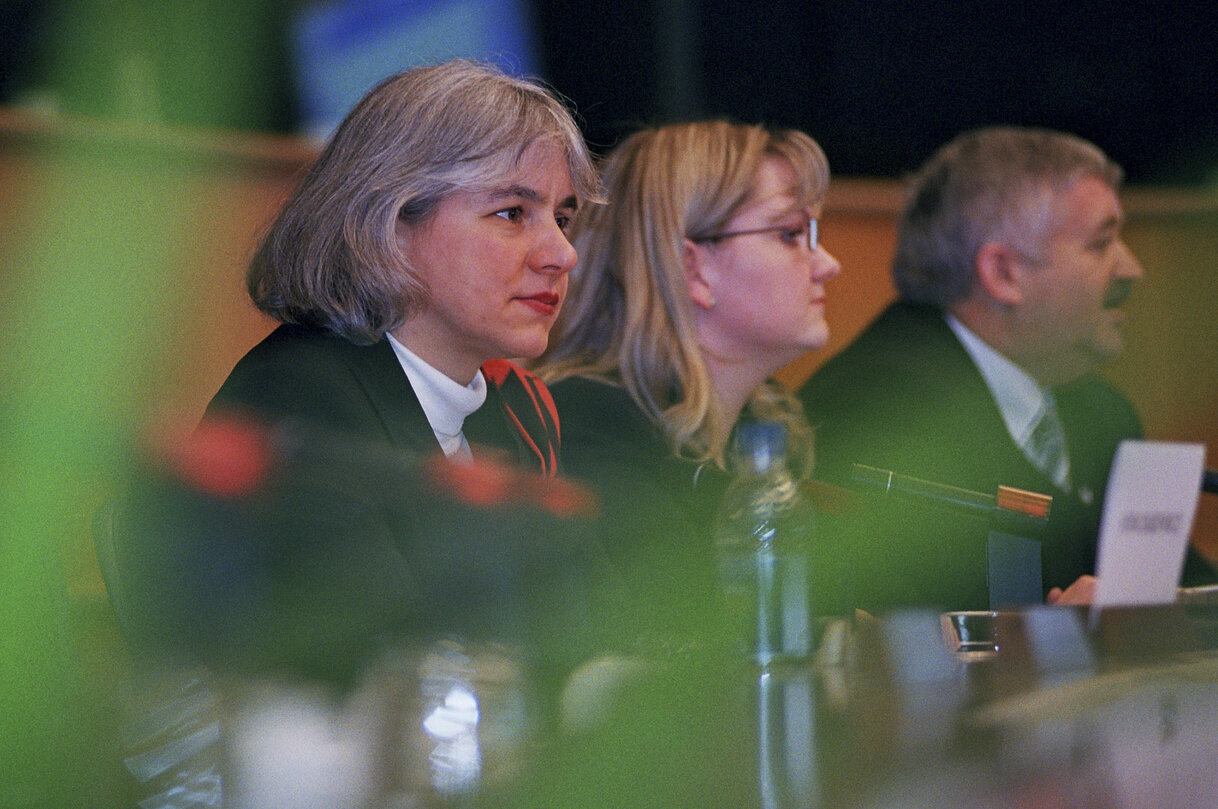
(1011, 272)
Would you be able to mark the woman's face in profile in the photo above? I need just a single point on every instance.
(768, 286)
(495, 264)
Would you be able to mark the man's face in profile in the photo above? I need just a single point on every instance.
(1073, 302)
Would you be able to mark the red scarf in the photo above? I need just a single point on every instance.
(530, 409)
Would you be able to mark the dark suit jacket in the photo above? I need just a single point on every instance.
(657, 509)
(906, 396)
(345, 541)
(309, 376)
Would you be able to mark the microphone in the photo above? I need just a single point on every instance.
(1009, 502)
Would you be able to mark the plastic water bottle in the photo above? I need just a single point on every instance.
(762, 537)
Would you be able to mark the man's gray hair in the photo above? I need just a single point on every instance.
(997, 184)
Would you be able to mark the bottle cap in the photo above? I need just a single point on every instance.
(759, 445)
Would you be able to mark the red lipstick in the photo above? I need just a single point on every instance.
(543, 302)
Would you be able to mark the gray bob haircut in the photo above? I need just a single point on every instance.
(331, 259)
(997, 184)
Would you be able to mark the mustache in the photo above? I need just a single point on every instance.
(1117, 293)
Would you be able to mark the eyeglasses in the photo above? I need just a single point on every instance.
(794, 233)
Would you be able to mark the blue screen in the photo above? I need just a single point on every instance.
(342, 48)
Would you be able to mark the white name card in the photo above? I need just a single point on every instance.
(1149, 508)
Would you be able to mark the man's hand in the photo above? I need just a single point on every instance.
(1081, 593)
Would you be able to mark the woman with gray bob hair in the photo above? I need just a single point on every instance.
(332, 259)
(425, 246)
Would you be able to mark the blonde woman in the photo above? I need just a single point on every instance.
(701, 278)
